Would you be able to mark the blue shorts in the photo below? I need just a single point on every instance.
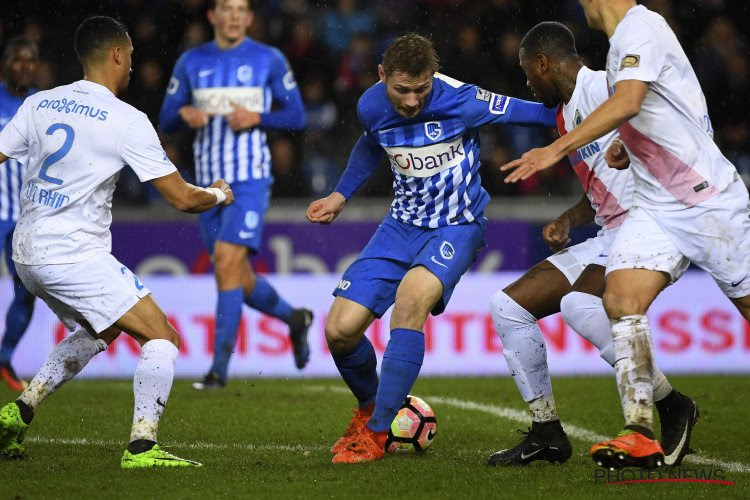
(241, 222)
(6, 243)
(447, 252)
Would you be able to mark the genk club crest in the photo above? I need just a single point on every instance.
(433, 130)
(447, 251)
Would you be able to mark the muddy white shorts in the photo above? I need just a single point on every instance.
(573, 260)
(714, 235)
(100, 290)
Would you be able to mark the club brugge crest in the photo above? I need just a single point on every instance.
(244, 73)
(577, 118)
(447, 251)
(433, 130)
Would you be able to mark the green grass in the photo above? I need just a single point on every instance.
(270, 439)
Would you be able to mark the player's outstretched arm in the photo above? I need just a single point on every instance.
(557, 233)
(624, 104)
(325, 210)
(188, 198)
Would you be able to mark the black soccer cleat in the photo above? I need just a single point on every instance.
(678, 415)
(210, 381)
(299, 324)
(544, 441)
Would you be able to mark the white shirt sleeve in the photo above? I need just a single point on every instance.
(640, 51)
(14, 139)
(140, 149)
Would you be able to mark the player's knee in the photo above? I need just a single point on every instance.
(571, 305)
(507, 313)
(410, 311)
(226, 265)
(162, 329)
(338, 337)
(618, 304)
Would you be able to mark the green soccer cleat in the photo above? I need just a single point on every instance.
(12, 431)
(155, 457)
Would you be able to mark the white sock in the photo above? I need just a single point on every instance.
(634, 368)
(152, 382)
(585, 314)
(66, 359)
(526, 354)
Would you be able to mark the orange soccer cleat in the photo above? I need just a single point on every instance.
(365, 446)
(628, 449)
(360, 418)
(11, 379)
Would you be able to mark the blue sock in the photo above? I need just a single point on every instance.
(265, 299)
(401, 363)
(228, 314)
(358, 368)
(16, 320)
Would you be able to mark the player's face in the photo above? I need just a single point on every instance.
(539, 79)
(408, 94)
(230, 19)
(20, 69)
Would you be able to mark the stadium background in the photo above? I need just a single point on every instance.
(334, 47)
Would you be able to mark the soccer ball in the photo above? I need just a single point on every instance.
(414, 427)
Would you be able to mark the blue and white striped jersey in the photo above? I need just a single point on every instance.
(11, 172)
(253, 76)
(434, 156)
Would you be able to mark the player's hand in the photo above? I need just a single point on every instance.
(617, 156)
(227, 191)
(531, 162)
(194, 117)
(556, 234)
(242, 119)
(324, 210)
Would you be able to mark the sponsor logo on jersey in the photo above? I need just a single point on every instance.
(344, 284)
(69, 106)
(498, 104)
(221, 100)
(630, 61)
(244, 73)
(447, 251)
(585, 152)
(428, 160)
(433, 130)
(205, 72)
(483, 95)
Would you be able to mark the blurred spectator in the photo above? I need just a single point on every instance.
(342, 23)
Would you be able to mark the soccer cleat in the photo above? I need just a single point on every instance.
(11, 379)
(365, 446)
(360, 418)
(12, 431)
(628, 449)
(210, 381)
(678, 415)
(544, 441)
(155, 457)
(299, 324)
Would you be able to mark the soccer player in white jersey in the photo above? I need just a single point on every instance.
(571, 280)
(689, 203)
(428, 126)
(76, 138)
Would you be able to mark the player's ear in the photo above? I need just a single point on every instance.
(381, 73)
(542, 62)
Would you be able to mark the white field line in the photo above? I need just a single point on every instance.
(523, 417)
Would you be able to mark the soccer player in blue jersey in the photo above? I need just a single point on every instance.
(20, 59)
(224, 90)
(428, 126)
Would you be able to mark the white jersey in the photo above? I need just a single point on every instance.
(610, 191)
(675, 162)
(77, 138)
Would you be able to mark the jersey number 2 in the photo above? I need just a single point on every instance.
(60, 153)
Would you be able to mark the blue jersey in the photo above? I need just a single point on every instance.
(434, 156)
(252, 75)
(11, 172)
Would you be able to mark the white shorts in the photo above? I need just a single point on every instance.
(100, 290)
(573, 260)
(714, 235)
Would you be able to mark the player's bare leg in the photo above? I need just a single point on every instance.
(419, 292)
(628, 296)
(355, 358)
(515, 311)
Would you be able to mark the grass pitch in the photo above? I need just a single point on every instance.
(270, 439)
